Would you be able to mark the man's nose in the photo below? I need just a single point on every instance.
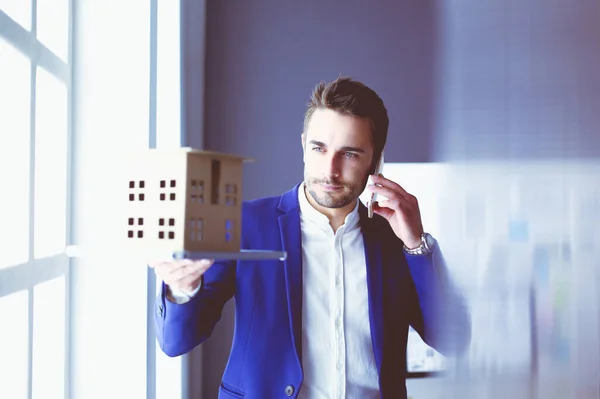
(332, 166)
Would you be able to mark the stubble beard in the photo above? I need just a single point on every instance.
(335, 199)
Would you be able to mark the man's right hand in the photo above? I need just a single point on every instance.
(183, 275)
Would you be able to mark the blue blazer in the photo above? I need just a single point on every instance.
(265, 359)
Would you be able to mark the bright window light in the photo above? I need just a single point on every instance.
(49, 339)
(53, 26)
(15, 104)
(18, 10)
(14, 345)
(50, 165)
(168, 101)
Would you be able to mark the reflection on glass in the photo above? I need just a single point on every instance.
(422, 358)
(53, 26)
(520, 239)
(50, 165)
(49, 339)
(15, 104)
(18, 10)
(14, 345)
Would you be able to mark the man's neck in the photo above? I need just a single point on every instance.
(336, 216)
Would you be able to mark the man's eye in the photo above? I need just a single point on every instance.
(350, 154)
(317, 149)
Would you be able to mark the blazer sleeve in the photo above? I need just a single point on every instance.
(438, 311)
(181, 327)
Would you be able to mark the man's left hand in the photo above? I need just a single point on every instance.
(401, 210)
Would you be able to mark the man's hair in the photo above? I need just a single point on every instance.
(350, 97)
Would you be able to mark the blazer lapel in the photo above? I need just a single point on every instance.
(374, 282)
(291, 240)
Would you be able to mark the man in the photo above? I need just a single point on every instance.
(332, 320)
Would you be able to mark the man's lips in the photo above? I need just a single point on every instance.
(331, 187)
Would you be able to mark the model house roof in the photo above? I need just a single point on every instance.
(222, 155)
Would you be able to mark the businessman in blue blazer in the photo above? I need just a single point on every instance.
(332, 320)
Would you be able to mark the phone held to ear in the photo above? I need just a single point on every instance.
(378, 170)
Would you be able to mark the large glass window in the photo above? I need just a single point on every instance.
(15, 104)
(35, 82)
(18, 10)
(14, 345)
(38, 290)
(51, 143)
(53, 26)
(49, 339)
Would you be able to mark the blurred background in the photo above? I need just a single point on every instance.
(494, 125)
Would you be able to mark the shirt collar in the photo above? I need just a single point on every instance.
(308, 212)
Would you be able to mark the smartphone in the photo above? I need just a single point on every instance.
(378, 170)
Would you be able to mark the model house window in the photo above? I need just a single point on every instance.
(196, 226)
(229, 230)
(167, 190)
(165, 232)
(135, 230)
(215, 182)
(197, 191)
(136, 190)
(231, 194)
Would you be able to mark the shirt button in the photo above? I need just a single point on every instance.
(339, 365)
(337, 322)
(289, 390)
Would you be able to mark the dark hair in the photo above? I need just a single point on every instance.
(350, 97)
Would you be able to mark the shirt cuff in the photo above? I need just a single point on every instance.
(180, 297)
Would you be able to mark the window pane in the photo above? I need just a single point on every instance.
(50, 166)
(168, 84)
(14, 345)
(49, 339)
(19, 10)
(53, 26)
(15, 104)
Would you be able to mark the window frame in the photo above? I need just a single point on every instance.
(27, 275)
(164, 376)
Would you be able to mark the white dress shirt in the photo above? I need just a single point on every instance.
(337, 353)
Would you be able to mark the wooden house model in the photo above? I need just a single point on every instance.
(183, 200)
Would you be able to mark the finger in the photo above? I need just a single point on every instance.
(188, 269)
(396, 205)
(390, 193)
(165, 268)
(385, 212)
(387, 183)
(186, 284)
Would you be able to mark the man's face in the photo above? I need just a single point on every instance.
(337, 157)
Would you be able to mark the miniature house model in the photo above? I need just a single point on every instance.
(183, 200)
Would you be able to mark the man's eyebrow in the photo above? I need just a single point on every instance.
(342, 149)
(317, 143)
(352, 149)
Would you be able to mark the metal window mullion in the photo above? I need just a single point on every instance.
(32, 127)
(69, 222)
(151, 278)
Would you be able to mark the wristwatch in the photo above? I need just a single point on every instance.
(426, 247)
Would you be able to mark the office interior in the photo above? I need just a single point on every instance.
(494, 125)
